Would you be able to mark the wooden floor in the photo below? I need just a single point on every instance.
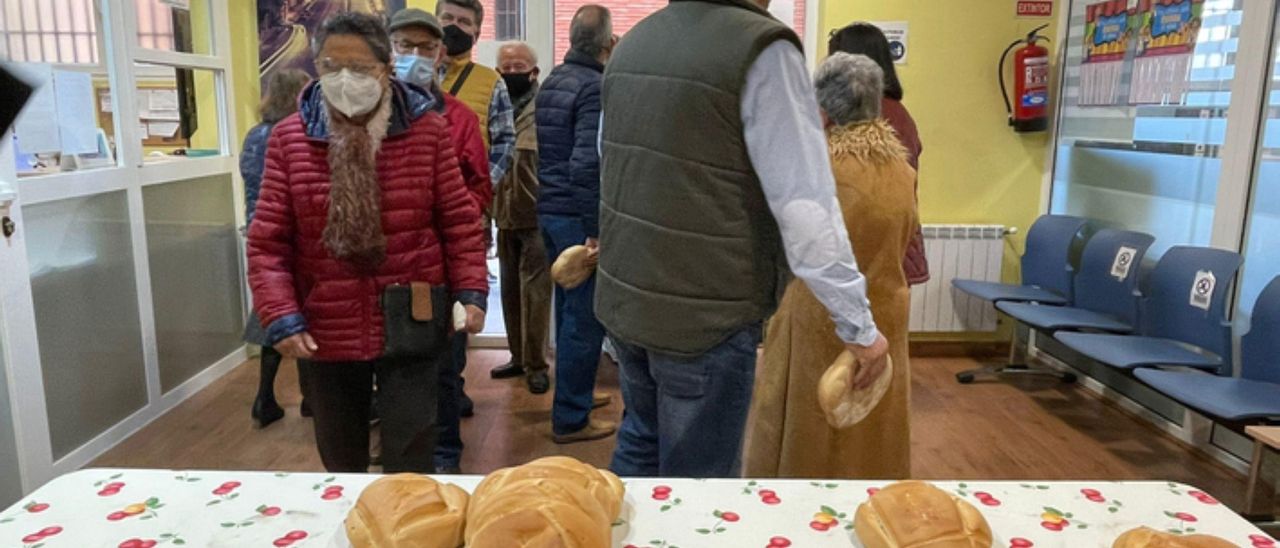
(1021, 430)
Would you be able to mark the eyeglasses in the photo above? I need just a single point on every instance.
(405, 46)
(328, 65)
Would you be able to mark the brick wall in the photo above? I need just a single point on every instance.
(626, 13)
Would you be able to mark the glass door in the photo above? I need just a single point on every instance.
(10, 472)
(1262, 260)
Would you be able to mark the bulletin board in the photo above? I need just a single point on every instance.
(158, 113)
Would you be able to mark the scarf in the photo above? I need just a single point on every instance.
(354, 229)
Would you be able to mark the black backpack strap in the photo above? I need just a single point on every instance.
(462, 79)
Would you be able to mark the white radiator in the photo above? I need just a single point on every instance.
(972, 252)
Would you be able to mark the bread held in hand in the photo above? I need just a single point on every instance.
(574, 266)
(915, 514)
(843, 407)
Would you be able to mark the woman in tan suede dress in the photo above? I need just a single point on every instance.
(789, 436)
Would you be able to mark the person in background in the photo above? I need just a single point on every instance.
(568, 120)
(279, 101)
(362, 191)
(867, 39)
(875, 185)
(484, 92)
(417, 39)
(714, 166)
(526, 277)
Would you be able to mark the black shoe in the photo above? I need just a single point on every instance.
(538, 382)
(266, 412)
(452, 470)
(466, 407)
(506, 371)
(305, 409)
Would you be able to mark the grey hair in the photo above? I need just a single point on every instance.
(368, 27)
(849, 88)
(591, 31)
(533, 54)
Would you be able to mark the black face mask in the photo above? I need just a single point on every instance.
(457, 41)
(518, 83)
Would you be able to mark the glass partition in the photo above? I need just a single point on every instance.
(1142, 121)
(1262, 259)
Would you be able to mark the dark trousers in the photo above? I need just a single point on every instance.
(579, 335)
(340, 394)
(448, 420)
(685, 415)
(526, 295)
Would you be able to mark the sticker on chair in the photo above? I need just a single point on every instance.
(1202, 290)
(1124, 260)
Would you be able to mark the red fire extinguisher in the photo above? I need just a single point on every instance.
(1030, 109)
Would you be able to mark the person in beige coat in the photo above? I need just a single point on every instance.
(789, 436)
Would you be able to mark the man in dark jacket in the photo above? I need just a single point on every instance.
(568, 118)
(526, 276)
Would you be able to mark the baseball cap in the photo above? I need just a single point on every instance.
(409, 17)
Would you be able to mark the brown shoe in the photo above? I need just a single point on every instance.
(593, 431)
(600, 399)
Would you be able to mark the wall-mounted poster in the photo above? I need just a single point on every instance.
(285, 28)
(1106, 40)
(1167, 31)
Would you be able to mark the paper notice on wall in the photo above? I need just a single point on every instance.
(142, 131)
(77, 127)
(162, 129)
(1202, 290)
(896, 32)
(104, 102)
(171, 115)
(163, 99)
(143, 103)
(1123, 262)
(178, 4)
(1167, 33)
(1106, 41)
(35, 133)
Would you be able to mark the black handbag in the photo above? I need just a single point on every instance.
(415, 320)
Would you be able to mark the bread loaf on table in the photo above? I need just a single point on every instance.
(408, 511)
(1146, 537)
(553, 502)
(915, 514)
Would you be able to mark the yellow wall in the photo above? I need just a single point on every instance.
(428, 5)
(243, 16)
(974, 169)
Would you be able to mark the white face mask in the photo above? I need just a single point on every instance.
(352, 93)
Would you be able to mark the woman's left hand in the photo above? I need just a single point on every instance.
(475, 319)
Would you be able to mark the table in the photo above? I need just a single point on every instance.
(147, 508)
(1260, 497)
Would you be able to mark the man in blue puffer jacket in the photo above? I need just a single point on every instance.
(568, 119)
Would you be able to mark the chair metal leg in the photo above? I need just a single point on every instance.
(1260, 495)
(1016, 365)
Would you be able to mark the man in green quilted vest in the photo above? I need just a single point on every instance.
(715, 185)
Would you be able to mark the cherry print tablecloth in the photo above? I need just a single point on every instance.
(149, 508)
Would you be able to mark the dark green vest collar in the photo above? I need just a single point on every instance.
(744, 4)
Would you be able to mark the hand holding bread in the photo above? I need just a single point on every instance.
(843, 404)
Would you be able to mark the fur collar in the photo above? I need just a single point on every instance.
(873, 141)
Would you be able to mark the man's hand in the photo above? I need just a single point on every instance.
(475, 319)
(593, 244)
(871, 362)
(300, 346)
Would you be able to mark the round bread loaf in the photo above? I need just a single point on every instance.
(1146, 537)
(843, 407)
(408, 511)
(552, 502)
(573, 267)
(915, 514)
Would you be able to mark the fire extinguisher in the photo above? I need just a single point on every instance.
(1030, 109)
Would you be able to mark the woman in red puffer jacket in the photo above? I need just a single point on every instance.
(362, 190)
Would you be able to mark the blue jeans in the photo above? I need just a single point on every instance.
(448, 452)
(579, 334)
(685, 416)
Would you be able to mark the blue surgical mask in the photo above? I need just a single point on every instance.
(415, 69)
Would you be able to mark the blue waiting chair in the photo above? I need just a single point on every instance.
(1104, 296)
(1252, 396)
(1184, 316)
(1046, 265)
(1047, 275)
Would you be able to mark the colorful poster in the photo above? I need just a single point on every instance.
(1167, 32)
(285, 28)
(1106, 40)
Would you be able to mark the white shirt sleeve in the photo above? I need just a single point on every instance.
(788, 149)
